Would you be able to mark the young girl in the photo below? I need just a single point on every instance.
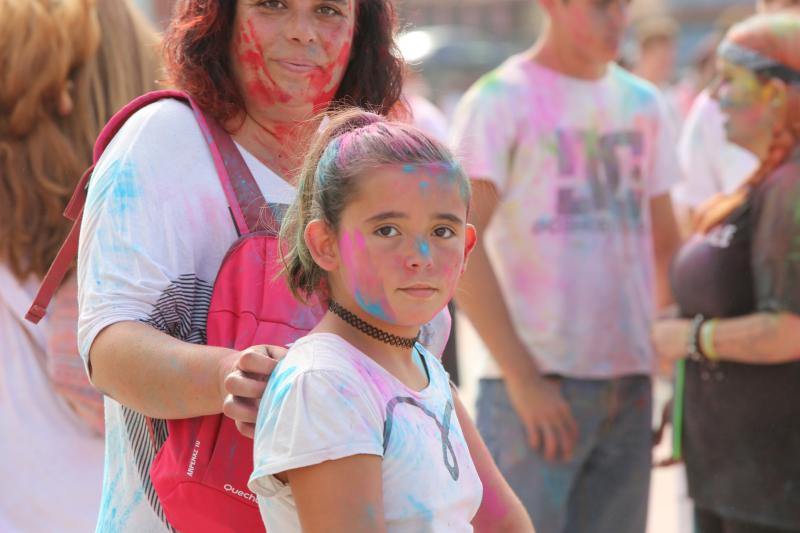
(358, 429)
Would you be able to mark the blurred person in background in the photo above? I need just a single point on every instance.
(737, 285)
(424, 113)
(657, 41)
(710, 163)
(572, 161)
(61, 76)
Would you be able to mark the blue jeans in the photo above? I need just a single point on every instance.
(604, 487)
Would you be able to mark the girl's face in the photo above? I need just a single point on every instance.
(291, 52)
(402, 244)
(744, 103)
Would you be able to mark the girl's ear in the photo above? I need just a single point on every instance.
(471, 239)
(322, 244)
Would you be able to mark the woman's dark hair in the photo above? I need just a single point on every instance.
(197, 57)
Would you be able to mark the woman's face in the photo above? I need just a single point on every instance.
(291, 53)
(744, 104)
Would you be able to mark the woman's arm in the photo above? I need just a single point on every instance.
(163, 377)
(500, 510)
(341, 496)
(757, 338)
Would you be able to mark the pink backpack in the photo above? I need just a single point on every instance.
(200, 473)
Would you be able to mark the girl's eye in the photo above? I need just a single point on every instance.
(387, 231)
(444, 232)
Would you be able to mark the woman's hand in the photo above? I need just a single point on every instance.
(244, 381)
(670, 338)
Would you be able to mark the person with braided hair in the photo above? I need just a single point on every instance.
(737, 284)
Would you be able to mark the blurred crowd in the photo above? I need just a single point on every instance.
(635, 227)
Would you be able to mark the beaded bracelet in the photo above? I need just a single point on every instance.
(693, 347)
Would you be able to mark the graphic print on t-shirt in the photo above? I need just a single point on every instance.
(599, 186)
(448, 452)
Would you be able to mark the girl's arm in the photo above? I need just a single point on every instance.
(500, 510)
(341, 496)
(757, 338)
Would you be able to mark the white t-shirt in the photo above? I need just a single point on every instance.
(156, 227)
(575, 163)
(51, 464)
(327, 400)
(711, 164)
(427, 117)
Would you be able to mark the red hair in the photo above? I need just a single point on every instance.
(197, 57)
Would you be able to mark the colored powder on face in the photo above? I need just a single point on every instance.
(423, 186)
(424, 247)
(409, 168)
(373, 308)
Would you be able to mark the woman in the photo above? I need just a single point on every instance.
(739, 278)
(156, 224)
(49, 116)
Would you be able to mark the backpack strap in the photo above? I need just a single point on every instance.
(241, 190)
(249, 208)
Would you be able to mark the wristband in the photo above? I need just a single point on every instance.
(707, 347)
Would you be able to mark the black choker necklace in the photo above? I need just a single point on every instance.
(369, 329)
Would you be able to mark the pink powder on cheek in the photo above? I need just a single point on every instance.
(259, 84)
(365, 285)
(325, 83)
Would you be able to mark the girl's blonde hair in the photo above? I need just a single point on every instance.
(351, 141)
(46, 48)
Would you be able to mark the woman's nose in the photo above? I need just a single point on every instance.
(300, 28)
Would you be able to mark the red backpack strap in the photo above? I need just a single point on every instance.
(74, 210)
(248, 206)
(241, 191)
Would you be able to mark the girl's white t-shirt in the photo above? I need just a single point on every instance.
(155, 229)
(327, 400)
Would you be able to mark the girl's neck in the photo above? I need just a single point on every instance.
(397, 360)
(276, 142)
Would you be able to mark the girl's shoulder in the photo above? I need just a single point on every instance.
(320, 357)
(322, 352)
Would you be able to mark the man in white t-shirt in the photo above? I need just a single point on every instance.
(572, 159)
